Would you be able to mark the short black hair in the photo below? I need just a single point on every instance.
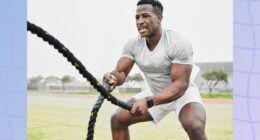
(158, 8)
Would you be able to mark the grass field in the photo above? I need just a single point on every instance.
(65, 117)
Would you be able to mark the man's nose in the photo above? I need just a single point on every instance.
(140, 21)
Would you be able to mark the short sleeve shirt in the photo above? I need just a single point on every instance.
(156, 64)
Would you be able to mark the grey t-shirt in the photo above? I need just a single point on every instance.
(156, 64)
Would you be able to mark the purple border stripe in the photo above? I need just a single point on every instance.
(246, 69)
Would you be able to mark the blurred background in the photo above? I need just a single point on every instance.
(96, 31)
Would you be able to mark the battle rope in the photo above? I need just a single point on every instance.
(82, 70)
(93, 117)
(94, 112)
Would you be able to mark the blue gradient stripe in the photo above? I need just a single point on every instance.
(13, 112)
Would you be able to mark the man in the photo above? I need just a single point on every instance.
(165, 58)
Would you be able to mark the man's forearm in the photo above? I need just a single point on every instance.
(170, 93)
(121, 77)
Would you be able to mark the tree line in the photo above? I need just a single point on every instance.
(212, 79)
(33, 82)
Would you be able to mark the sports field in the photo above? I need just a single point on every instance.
(65, 117)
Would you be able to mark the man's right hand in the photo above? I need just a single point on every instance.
(111, 80)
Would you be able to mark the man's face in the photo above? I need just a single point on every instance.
(147, 21)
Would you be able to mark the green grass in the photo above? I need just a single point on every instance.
(65, 117)
(204, 95)
(219, 95)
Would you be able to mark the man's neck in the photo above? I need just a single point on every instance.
(152, 41)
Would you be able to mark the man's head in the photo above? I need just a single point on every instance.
(148, 17)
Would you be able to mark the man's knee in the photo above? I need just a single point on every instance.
(196, 127)
(119, 119)
(193, 117)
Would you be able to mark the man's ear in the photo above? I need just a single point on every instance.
(160, 17)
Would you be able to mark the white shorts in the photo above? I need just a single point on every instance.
(160, 111)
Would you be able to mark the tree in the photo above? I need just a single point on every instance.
(65, 79)
(53, 79)
(213, 78)
(34, 82)
(138, 77)
(135, 78)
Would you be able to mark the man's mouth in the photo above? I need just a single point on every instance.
(142, 30)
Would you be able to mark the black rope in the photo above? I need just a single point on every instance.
(94, 113)
(75, 62)
(93, 117)
(82, 70)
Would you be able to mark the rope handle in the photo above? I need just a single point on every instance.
(107, 86)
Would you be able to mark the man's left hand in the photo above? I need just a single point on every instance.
(139, 107)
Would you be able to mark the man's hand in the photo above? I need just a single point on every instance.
(139, 107)
(111, 80)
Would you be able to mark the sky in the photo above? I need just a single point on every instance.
(96, 31)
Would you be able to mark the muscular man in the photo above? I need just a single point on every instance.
(165, 58)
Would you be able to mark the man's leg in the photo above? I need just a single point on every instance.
(122, 119)
(193, 119)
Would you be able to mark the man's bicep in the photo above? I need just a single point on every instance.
(181, 72)
(124, 65)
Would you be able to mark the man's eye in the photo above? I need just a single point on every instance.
(146, 16)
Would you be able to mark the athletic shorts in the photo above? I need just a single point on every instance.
(160, 111)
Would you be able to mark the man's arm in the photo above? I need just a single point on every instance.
(118, 76)
(180, 76)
